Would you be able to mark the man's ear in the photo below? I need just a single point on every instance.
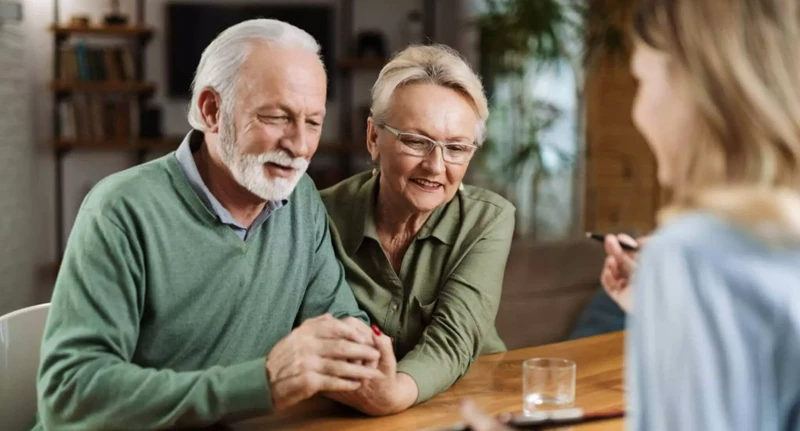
(372, 139)
(210, 105)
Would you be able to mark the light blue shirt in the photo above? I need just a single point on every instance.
(714, 339)
(191, 143)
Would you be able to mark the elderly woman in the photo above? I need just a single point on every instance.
(423, 253)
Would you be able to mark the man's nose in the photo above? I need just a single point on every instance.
(295, 141)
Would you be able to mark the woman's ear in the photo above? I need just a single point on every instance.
(210, 106)
(372, 140)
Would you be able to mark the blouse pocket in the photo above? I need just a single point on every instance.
(425, 311)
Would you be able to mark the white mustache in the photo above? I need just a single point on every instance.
(280, 158)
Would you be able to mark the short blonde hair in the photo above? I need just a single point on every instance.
(740, 59)
(430, 64)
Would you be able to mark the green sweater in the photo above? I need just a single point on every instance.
(162, 316)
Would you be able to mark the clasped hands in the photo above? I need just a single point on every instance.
(344, 360)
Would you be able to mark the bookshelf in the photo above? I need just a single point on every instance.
(102, 87)
(122, 79)
(98, 91)
(116, 144)
(133, 30)
(353, 157)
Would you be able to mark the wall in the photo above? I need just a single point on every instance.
(544, 205)
(17, 158)
(82, 170)
(622, 193)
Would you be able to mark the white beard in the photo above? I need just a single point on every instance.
(248, 169)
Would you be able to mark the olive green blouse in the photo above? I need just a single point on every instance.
(440, 309)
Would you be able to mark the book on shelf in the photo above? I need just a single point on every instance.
(80, 62)
(90, 118)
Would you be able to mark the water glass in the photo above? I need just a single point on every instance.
(547, 383)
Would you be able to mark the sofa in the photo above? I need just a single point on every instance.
(547, 286)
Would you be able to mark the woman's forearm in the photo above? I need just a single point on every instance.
(407, 392)
(381, 398)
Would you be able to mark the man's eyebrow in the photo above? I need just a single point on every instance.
(288, 109)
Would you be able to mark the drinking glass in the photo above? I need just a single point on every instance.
(547, 383)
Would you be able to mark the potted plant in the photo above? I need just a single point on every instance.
(520, 38)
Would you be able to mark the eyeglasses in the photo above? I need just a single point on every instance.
(456, 153)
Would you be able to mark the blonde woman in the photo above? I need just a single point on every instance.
(423, 253)
(714, 338)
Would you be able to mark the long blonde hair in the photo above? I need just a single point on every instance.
(742, 61)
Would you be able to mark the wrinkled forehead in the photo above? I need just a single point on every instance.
(432, 110)
(282, 74)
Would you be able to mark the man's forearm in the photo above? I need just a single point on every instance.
(107, 393)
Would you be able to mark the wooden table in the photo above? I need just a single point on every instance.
(494, 382)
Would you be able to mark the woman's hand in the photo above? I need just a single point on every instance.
(478, 421)
(392, 393)
(618, 268)
(322, 354)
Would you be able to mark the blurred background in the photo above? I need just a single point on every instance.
(91, 87)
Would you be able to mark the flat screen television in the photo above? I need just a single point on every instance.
(190, 27)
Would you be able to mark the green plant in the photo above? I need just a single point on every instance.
(515, 149)
(520, 35)
(514, 140)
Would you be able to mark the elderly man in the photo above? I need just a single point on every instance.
(203, 286)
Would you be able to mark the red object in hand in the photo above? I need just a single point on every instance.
(376, 330)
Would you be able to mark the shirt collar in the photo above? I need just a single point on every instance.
(443, 224)
(363, 215)
(191, 143)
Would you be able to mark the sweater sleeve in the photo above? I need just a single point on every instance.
(464, 315)
(328, 291)
(86, 377)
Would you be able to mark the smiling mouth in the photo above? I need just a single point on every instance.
(281, 170)
(427, 185)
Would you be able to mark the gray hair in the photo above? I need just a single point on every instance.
(223, 57)
(430, 64)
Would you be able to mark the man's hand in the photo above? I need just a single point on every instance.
(366, 334)
(388, 394)
(618, 268)
(322, 354)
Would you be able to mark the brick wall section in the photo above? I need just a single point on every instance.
(17, 247)
(622, 193)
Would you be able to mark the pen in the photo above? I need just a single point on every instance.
(601, 237)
